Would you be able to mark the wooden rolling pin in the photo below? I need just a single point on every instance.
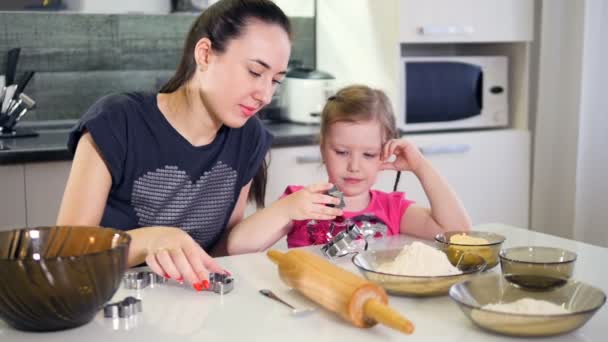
(355, 299)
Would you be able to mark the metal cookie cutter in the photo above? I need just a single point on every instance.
(123, 309)
(220, 283)
(341, 244)
(138, 280)
(334, 192)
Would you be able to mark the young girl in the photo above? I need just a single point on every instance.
(357, 141)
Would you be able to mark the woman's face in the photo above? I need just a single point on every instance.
(240, 81)
(351, 153)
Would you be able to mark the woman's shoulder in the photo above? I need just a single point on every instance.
(120, 103)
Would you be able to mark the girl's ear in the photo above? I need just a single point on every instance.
(203, 53)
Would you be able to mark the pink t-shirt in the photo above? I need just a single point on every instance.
(387, 207)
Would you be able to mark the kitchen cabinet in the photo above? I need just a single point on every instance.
(44, 186)
(465, 21)
(12, 197)
(490, 171)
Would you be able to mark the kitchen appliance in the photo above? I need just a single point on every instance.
(304, 94)
(455, 92)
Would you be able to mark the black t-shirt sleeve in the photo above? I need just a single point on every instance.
(258, 141)
(106, 121)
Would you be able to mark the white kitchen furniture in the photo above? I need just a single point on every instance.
(178, 313)
(433, 21)
(12, 196)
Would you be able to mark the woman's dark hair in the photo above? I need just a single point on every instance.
(221, 22)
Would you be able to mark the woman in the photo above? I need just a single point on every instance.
(175, 169)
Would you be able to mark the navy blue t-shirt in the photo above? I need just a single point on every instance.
(159, 178)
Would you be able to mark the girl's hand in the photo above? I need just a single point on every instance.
(311, 202)
(407, 156)
(172, 253)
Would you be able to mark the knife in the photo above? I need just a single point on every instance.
(11, 65)
(22, 83)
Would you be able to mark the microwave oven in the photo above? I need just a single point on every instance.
(453, 93)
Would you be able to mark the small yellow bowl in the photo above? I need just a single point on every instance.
(462, 253)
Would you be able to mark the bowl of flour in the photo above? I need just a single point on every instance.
(417, 269)
(495, 304)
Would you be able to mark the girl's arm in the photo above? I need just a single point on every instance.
(265, 227)
(446, 211)
(166, 250)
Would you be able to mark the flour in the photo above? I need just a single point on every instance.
(528, 306)
(419, 259)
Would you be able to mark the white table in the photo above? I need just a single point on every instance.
(177, 313)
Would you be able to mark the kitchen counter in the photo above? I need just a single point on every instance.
(175, 313)
(50, 145)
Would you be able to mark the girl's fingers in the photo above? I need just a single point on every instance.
(388, 166)
(166, 262)
(325, 199)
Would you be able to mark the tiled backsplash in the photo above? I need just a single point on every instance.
(81, 57)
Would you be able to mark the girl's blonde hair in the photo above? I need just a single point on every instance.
(359, 103)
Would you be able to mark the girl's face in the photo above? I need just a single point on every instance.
(237, 83)
(351, 152)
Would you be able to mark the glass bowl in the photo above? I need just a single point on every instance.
(457, 252)
(420, 286)
(56, 278)
(539, 268)
(580, 299)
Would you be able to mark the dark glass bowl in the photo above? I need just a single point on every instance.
(457, 253)
(536, 267)
(55, 278)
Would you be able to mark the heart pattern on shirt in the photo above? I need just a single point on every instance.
(168, 197)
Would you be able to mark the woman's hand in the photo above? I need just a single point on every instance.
(407, 156)
(310, 203)
(172, 253)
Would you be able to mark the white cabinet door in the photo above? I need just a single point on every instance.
(12, 197)
(489, 170)
(466, 20)
(44, 186)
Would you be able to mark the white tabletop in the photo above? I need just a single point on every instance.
(178, 313)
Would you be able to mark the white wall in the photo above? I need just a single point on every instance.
(297, 8)
(570, 123)
(591, 216)
(556, 127)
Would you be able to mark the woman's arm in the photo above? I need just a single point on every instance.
(167, 250)
(446, 211)
(264, 228)
(87, 188)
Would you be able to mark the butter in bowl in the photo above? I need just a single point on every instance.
(417, 269)
(461, 246)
